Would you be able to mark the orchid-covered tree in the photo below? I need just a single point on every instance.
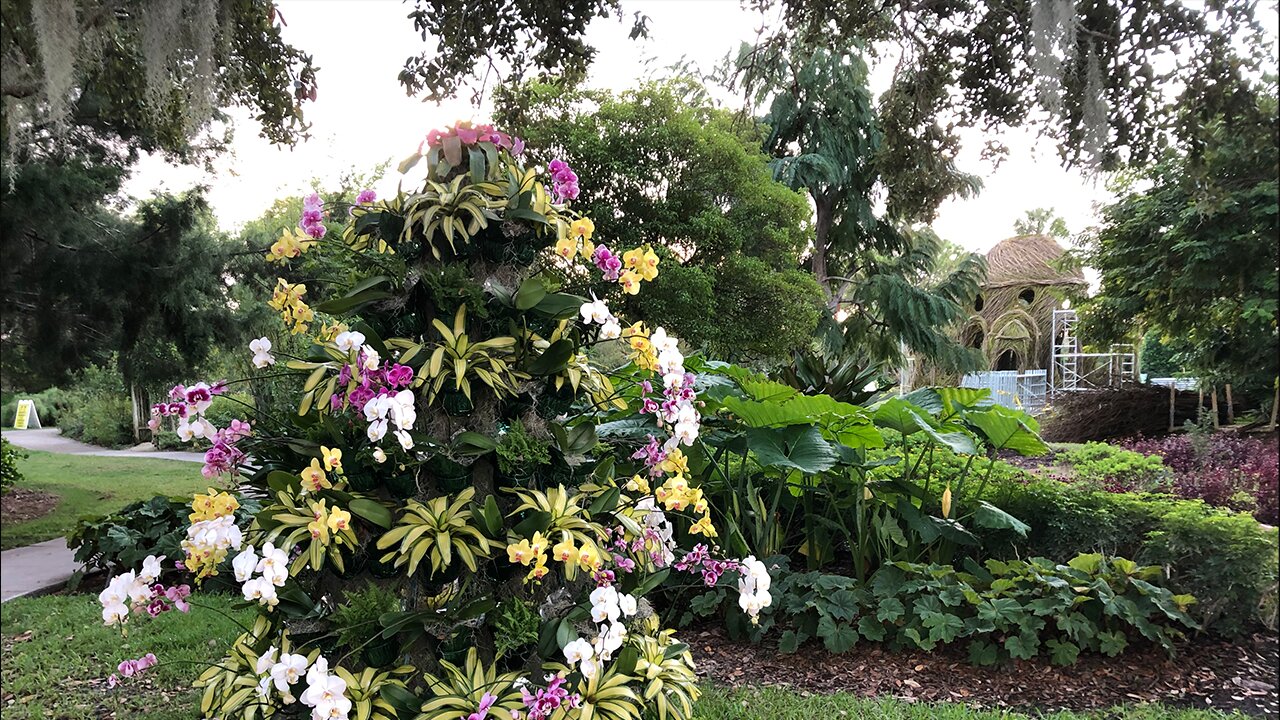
(468, 317)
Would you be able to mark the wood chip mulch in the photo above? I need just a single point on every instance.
(1205, 674)
(21, 504)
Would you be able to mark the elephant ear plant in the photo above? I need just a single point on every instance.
(442, 481)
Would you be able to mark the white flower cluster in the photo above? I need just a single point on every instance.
(130, 588)
(261, 349)
(325, 693)
(753, 586)
(348, 342)
(274, 569)
(597, 311)
(398, 409)
(209, 540)
(659, 534)
(680, 411)
(608, 607)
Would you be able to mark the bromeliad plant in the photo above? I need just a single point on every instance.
(373, 490)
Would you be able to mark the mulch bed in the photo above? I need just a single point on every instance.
(21, 504)
(1205, 674)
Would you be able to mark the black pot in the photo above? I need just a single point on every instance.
(450, 476)
(381, 653)
(554, 402)
(521, 476)
(493, 248)
(455, 403)
(514, 407)
(355, 564)
(362, 482)
(403, 486)
(378, 568)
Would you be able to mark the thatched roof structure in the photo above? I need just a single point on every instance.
(1028, 260)
(1012, 318)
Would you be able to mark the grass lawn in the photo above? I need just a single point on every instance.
(57, 655)
(90, 485)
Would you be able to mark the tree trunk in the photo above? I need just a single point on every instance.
(1275, 405)
(1173, 402)
(818, 258)
(1231, 407)
(1213, 405)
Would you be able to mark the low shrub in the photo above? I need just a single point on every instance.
(1223, 469)
(10, 475)
(1115, 469)
(1224, 558)
(98, 410)
(1002, 610)
(123, 539)
(50, 404)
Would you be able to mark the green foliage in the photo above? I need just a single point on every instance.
(1011, 609)
(661, 165)
(1100, 464)
(149, 81)
(124, 538)
(149, 286)
(1223, 558)
(10, 475)
(357, 618)
(98, 410)
(1158, 357)
(50, 404)
(519, 453)
(515, 627)
(825, 137)
(1190, 252)
(1042, 221)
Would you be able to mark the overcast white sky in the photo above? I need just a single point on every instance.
(362, 116)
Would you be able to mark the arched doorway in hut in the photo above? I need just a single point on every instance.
(1008, 360)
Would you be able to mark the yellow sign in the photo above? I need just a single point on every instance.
(26, 413)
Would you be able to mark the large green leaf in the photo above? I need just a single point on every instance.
(1007, 429)
(990, 516)
(903, 416)
(553, 359)
(531, 292)
(796, 448)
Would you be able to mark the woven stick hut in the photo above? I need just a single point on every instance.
(1013, 315)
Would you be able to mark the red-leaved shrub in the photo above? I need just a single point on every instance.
(1221, 469)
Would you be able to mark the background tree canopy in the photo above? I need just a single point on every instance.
(85, 282)
(1189, 251)
(1096, 77)
(146, 76)
(661, 165)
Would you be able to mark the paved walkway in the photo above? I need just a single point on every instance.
(48, 440)
(35, 568)
(48, 565)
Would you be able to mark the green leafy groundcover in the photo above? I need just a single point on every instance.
(1000, 610)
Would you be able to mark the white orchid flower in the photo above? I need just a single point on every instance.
(348, 342)
(244, 564)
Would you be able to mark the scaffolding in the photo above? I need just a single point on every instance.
(1071, 370)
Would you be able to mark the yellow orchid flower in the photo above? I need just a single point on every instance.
(648, 268)
(332, 459)
(338, 521)
(630, 282)
(676, 462)
(587, 249)
(539, 570)
(566, 247)
(521, 552)
(632, 259)
(314, 478)
(565, 551)
(212, 506)
(582, 228)
(590, 558)
(539, 542)
(319, 528)
(703, 527)
(638, 484)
